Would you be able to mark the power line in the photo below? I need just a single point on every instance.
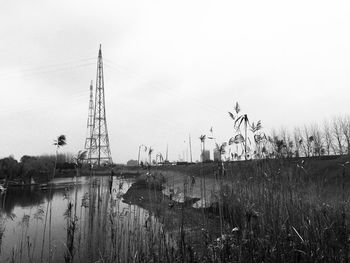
(44, 70)
(113, 66)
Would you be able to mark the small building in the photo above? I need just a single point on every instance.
(205, 156)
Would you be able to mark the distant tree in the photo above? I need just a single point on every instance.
(59, 142)
(307, 141)
(316, 135)
(202, 139)
(279, 146)
(81, 156)
(221, 149)
(288, 142)
(328, 138)
(338, 134)
(30, 166)
(131, 163)
(9, 168)
(296, 139)
(345, 126)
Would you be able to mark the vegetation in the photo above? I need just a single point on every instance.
(277, 210)
(59, 142)
(38, 167)
(287, 202)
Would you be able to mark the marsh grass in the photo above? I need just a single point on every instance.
(282, 210)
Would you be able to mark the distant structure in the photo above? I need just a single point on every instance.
(190, 143)
(99, 153)
(205, 156)
(90, 123)
(132, 163)
(217, 155)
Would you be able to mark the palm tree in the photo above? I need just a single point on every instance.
(150, 151)
(202, 139)
(59, 142)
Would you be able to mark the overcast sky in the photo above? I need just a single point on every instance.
(172, 68)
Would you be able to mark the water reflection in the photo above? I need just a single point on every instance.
(206, 190)
(89, 222)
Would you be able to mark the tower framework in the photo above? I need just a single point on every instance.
(99, 151)
(90, 122)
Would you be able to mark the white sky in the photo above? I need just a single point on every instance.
(171, 68)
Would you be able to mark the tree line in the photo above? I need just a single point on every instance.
(330, 138)
(29, 166)
(249, 141)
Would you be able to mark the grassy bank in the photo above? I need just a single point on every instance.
(282, 210)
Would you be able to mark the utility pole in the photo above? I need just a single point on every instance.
(100, 153)
(166, 158)
(190, 146)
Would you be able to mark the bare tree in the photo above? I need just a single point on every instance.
(288, 142)
(328, 139)
(297, 141)
(338, 134)
(345, 127)
(202, 139)
(317, 140)
(307, 141)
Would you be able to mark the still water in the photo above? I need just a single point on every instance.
(89, 222)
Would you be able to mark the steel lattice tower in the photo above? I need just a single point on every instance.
(90, 123)
(100, 153)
